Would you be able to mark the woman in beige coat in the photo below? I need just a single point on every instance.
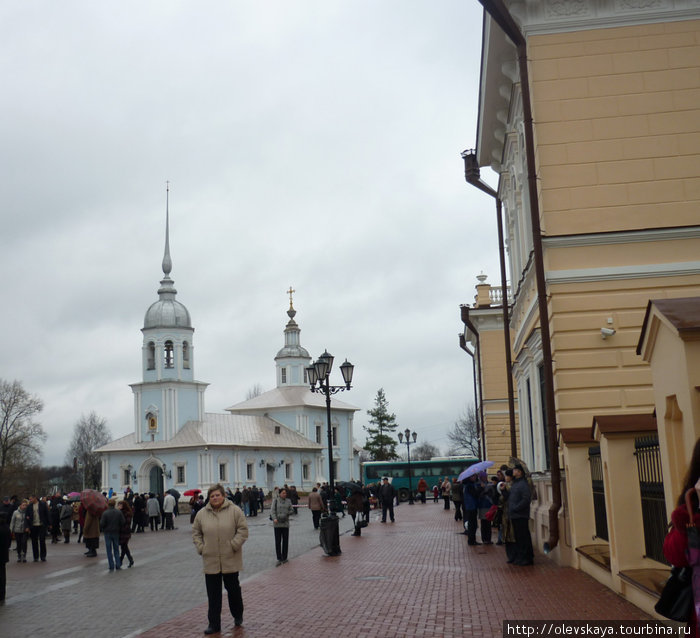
(218, 532)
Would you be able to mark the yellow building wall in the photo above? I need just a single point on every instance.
(495, 397)
(617, 115)
(595, 376)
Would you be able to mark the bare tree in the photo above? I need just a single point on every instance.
(464, 435)
(89, 433)
(254, 391)
(424, 452)
(21, 437)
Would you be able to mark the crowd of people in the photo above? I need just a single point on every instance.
(501, 502)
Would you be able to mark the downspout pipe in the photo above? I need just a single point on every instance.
(473, 176)
(472, 328)
(501, 15)
(463, 345)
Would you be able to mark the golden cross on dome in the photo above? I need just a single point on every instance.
(290, 292)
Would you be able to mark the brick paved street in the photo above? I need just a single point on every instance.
(166, 580)
(416, 577)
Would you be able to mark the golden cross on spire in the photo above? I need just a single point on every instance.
(290, 292)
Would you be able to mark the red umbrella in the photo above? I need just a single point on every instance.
(93, 501)
(193, 492)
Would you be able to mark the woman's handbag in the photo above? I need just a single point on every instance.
(491, 514)
(676, 601)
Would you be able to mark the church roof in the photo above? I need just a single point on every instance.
(233, 430)
(289, 397)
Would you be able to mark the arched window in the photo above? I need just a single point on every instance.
(151, 358)
(185, 355)
(168, 354)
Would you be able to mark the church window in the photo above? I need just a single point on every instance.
(126, 476)
(180, 469)
(318, 434)
(168, 354)
(283, 372)
(305, 471)
(249, 471)
(151, 357)
(306, 376)
(335, 435)
(288, 471)
(186, 355)
(223, 472)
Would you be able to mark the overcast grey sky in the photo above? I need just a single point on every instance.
(307, 143)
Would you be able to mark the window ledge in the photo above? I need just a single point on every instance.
(650, 581)
(599, 554)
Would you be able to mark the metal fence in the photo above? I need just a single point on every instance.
(651, 488)
(601, 517)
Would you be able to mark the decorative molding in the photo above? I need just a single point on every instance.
(627, 237)
(623, 272)
(556, 16)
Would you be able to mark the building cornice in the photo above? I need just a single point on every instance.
(555, 16)
(627, 237)
(641, 271)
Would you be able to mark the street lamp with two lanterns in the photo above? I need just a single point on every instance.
(407, 434)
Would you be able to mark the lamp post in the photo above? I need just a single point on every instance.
(319, 373)
(407, 434)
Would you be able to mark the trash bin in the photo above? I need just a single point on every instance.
(330, 535)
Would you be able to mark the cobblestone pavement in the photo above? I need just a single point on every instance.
(49, 599)
(416, 577)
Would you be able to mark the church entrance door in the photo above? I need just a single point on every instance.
(156, 480)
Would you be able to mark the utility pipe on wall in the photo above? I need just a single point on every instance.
(501, 15)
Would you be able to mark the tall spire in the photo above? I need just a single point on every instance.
(167, 262)
(291, 312)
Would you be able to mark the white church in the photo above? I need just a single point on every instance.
(275, 438)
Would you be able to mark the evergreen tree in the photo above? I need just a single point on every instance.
(380, 443)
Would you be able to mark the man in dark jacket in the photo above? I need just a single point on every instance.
(471, 492)
(519, 514)
(37, 522)
(5, 542)
(111, 523)
(387, 493)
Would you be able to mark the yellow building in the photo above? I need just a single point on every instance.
(612, 153)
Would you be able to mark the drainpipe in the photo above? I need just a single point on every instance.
(500, 14)
(463, 345)
(468, 324)
(472, 175)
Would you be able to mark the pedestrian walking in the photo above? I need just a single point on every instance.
(422, 489)
(445, 488)
(18, 528)
(387, 493)
(65, 521)
(280, 512)
(316, 506)
(5, 542)
(111, 523)
(356, 510)
(519, 514)
(457, 498)
(37, 522)
(218, 533)
(153, 510)
(91, 534)
(125, 532)
(169, 505)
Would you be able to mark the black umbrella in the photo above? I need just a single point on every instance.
(349, 485)
(174, 492)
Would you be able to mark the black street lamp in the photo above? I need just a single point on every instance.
(319, 373)
(407, 434)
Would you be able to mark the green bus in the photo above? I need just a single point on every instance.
(433, 471)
